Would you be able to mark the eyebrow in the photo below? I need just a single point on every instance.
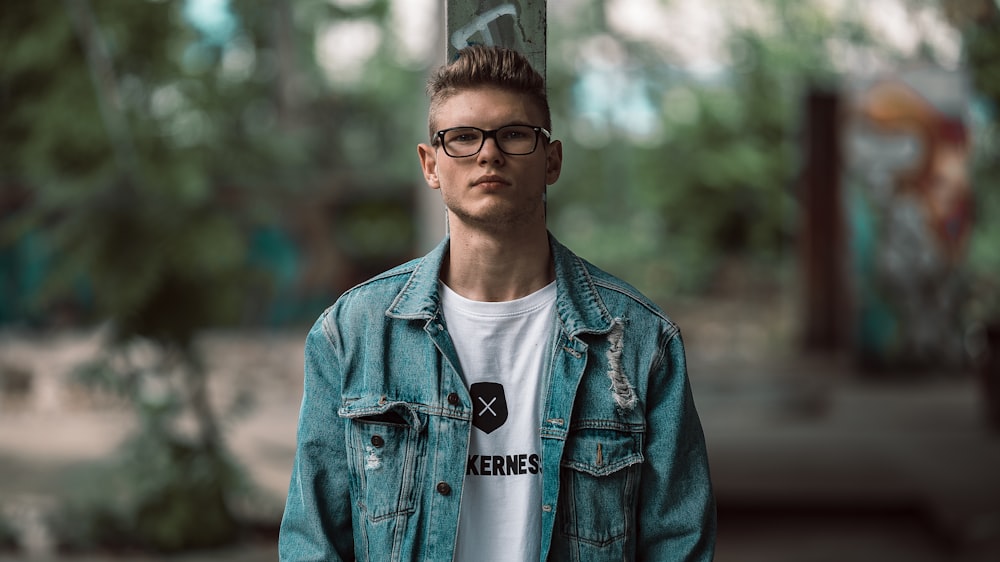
(515, 123)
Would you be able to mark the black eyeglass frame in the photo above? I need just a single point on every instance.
(491, 134)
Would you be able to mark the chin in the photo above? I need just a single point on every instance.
(496, 219)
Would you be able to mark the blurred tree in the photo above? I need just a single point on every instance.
(979, 21)
(149, 152)
(8, 538)
(702, 161)
(144, 144)
(144, 140)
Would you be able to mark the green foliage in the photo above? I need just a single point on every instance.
(153, 206)
(148, 155)
(984, 248)
(718, 176)
(719, 180)
(172, 484)
(162, 269)
(8, 538)
(161, 494)
(148, 161)
(982, 48)
(982, 44)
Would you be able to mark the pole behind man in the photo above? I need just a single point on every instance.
(499, 398)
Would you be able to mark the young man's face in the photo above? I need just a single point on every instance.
(491, 189)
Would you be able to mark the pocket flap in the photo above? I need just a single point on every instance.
(600, 452)
(381, 409)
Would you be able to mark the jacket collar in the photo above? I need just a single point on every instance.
(580, 307)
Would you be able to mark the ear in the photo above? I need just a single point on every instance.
(428, 164)
(553, 162)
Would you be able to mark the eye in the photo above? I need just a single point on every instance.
(462, 136)
(516, 133)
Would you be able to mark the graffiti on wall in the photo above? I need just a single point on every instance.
(480, 26)
(910, 207)
(518, 25)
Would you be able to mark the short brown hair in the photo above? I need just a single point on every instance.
(479, 66)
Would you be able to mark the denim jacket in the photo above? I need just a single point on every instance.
(385, 423)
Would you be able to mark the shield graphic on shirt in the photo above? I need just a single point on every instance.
(489, 406)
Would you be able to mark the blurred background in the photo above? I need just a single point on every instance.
(808, 187)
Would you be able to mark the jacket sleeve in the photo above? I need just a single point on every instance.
(316, 525)
(677, 518)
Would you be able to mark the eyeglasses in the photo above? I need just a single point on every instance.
(513, 140)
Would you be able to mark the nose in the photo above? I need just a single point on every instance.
(490, 151)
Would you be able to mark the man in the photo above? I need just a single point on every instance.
(500, 398)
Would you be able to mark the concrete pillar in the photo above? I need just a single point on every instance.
(516, 24)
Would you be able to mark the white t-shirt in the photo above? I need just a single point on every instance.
(502, 348)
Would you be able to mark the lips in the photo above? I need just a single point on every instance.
(491, 180)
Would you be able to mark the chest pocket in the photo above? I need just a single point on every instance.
(599, 476)
(387, 449)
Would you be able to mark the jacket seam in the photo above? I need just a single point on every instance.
(638, 300)
(591, 284)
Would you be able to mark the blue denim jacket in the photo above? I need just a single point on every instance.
(385, 422)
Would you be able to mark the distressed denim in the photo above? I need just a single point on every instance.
(385, 422)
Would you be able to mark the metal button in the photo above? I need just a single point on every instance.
(377, 440)
(443, 488)
(453, 399)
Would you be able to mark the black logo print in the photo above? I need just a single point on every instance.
(489, 406)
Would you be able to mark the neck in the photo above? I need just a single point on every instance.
(495, 267)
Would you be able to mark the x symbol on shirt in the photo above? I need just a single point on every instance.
(486, 406)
